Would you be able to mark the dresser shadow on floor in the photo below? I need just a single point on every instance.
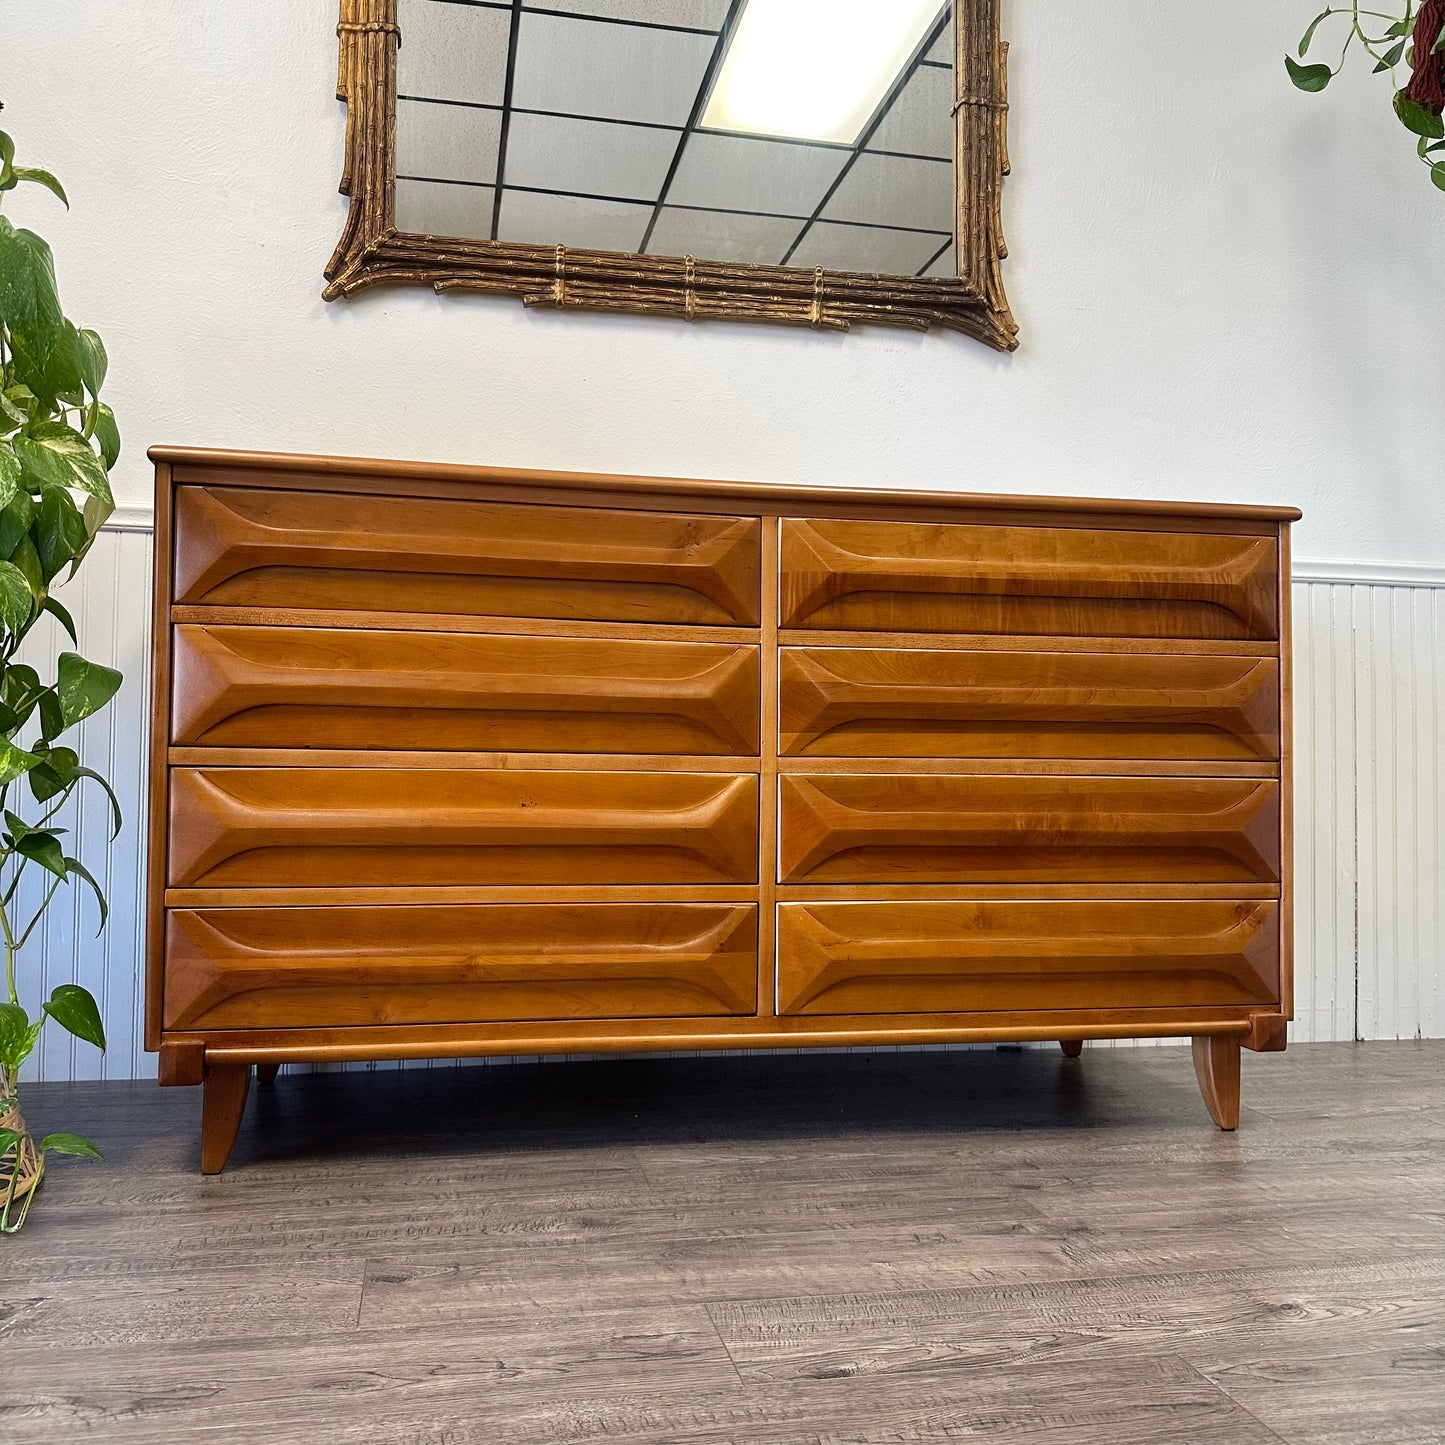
(597, 1105)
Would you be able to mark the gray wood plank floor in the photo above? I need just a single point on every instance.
(788, 1250)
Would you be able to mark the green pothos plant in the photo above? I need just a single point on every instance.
(1412, 38)
(58, 442)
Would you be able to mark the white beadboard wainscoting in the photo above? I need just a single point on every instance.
(1369, 790)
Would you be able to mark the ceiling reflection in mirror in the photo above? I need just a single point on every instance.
(599, 124)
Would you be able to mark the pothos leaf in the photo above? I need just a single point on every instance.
(1309, 34)
(74, 1008)
(76, 867)
(16, 598)
(9, 474)
(1308, 77)
(18, 1036)
(14, 762)
(69, 1144)
(44, 848)
(59, 456)
(42, 178)
(1414, 117)
(84, 687)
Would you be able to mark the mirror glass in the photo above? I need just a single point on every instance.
(684, 128)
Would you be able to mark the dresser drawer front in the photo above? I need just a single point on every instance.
(877, 702)
(290, 687)
(250, 968)
(392, 827)
(876, 828)
(925, 957)
(1080, 582)
(253, 548)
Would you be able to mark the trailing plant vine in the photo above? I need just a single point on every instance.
(1415, 39)
(58, 442)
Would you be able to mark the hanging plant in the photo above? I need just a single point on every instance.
(1414, 39)
(58, 441)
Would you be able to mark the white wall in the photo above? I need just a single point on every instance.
(1228, 291)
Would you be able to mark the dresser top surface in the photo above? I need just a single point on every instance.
(262, 469)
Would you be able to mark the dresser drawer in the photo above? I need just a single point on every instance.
(1078, 582)
(926, 957)
(889, 702)
(263, 968)
(256, 548)
(292, 687)
(398, 827)
(876, 828)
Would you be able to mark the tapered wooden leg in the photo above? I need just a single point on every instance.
(1072, 1047)
(266, 1073)
(1216, 1062)
(223, 1101)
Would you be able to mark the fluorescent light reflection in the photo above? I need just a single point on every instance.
(814, 69)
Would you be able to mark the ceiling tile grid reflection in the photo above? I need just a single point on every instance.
(577, 123)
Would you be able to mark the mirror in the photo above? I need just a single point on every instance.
(799, 160)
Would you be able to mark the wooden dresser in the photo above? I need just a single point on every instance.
(453, 761)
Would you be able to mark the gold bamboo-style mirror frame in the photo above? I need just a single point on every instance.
(372, 251)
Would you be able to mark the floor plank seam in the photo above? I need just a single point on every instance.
(727, 1349)
(1215, 1385)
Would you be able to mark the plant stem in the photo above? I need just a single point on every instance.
(9, 955)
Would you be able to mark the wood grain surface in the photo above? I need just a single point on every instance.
(901, 702)
(915, 957)
(296, 967)
(947, 829)
(406, 698)
(283, 687)
(257, 548)
(237, 827)
(858, 1249)
(927, 577)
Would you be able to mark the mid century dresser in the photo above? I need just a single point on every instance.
(462, 761)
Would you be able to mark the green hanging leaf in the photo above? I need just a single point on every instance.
(16, 599)
(1308, 77)
(9, 1138)
(1437, 174)
(44, 848)
(29, 302)
(18, 1036)
(14, 762)
(1414, 117)
(57, 455)
(16, 826)
(15, 520)
(52, 720)
(79, 870)
(1391, 57)
(58, 611)
(69, 1144)
(10, 472)
(50, 367)
(62, 531)
(93, 361)
(97, 510)
(84, 687)
(58, 771)
(7, 158)
(11, 416)
(74, 1008)
(1309, 34)
(107, 434)
(42, 178)
(1402, 26)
